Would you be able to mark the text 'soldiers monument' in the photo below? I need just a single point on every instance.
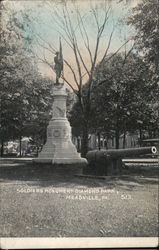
(59, 148)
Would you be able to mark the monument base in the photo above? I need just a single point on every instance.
(59, 151)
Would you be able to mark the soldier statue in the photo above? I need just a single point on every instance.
(58, 64)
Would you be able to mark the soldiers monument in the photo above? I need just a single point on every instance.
(59, 149)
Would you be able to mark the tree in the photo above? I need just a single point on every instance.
(122, 94)
(73, 29)
(145, 19)
(23, 90)
(124, 91)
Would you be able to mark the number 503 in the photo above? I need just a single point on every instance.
(126, 196)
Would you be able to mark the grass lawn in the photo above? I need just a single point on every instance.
(38, 203)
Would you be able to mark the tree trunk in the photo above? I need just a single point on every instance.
(98, 134)
(2, 148)
(105, 142)
(20, 146)
(117, 138)
(124, 139)
(140, 142)
(78, 144)
(150, 133)
(84, 142)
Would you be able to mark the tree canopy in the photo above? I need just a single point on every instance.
(145, 19)
(121, 98)
(24, 92)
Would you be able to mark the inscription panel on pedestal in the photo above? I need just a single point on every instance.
(56, 133)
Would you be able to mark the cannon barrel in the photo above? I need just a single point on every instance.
(100, 155)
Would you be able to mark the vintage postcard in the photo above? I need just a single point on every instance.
(79, 127)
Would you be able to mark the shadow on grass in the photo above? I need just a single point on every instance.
(45, 175)
(41, 175)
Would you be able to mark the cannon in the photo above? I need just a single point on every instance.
(106, 162)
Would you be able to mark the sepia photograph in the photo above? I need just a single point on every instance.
(79, 124)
